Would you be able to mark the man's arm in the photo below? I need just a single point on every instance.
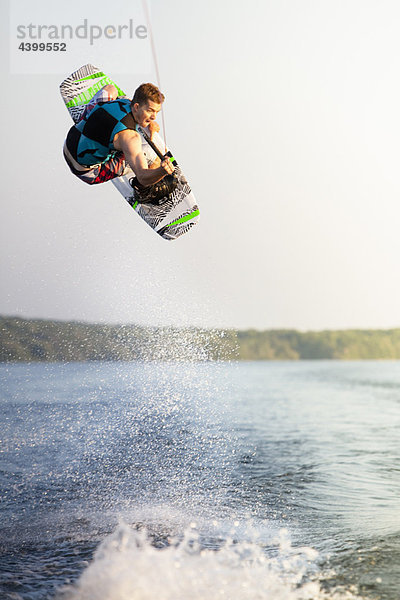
(129, 142)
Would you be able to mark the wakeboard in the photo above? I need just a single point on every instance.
(176, 213)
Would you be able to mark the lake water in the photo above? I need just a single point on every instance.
(204, 481)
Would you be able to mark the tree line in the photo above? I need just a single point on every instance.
(45, 340)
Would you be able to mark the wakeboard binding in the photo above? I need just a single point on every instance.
(157, 193)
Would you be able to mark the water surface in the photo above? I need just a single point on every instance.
(250, 481)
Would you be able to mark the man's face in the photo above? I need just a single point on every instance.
(144, 114)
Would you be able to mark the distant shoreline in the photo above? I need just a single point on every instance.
(39, 340)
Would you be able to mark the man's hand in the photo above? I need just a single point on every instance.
(153, 128)
(167, 165)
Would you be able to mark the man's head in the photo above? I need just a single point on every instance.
(146, 104)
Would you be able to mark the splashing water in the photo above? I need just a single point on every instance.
(128, 566)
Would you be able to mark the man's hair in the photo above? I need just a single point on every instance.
(145, 92)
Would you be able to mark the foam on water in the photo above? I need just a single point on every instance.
(128, 566)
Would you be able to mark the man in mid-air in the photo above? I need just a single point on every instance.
(105, 143)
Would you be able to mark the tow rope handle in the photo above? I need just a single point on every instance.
(152, 144)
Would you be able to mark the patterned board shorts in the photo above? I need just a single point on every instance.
(114, 166)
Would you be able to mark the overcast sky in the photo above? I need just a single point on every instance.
(285, 117)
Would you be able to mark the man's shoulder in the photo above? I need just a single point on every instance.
(125, 138)
(128, 134)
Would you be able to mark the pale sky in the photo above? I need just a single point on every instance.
(285, 117)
